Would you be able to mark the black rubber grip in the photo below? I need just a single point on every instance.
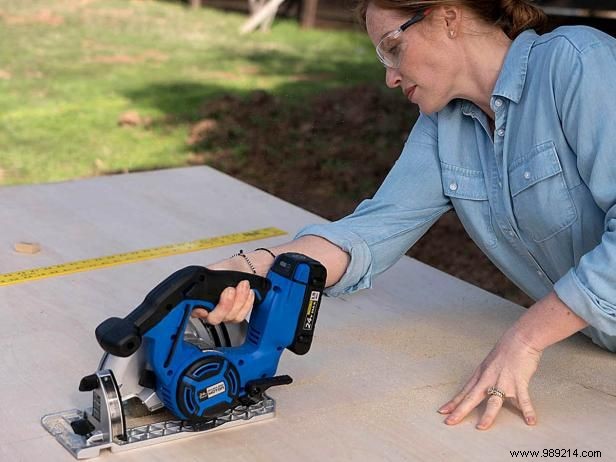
(122, 337)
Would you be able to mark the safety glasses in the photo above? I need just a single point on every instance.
(390, 48)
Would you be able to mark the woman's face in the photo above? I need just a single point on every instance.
(427, 71)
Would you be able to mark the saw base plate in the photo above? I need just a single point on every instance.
(86, 447)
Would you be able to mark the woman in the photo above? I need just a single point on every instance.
(515, 135)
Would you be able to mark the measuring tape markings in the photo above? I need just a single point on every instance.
(137, 255)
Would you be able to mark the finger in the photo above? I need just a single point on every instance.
(526, 406)
(225, 304)
(242, 292)
(493, 407)
(246, 308)
(452, 404)
(199, 313)
(469, 402)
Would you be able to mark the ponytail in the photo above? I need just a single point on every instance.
(520, 15)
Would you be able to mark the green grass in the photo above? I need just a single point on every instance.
(69, 68)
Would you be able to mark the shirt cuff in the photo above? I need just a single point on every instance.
(597, 312)
(357, 274)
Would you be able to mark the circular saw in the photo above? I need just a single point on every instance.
(166, 375)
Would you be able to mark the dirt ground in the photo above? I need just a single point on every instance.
(328, 154)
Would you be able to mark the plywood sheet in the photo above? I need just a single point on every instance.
(382, 361)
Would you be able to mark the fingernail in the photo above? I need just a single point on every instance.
(245, 284)
(450, 420)
(531, 421)
(443, 410)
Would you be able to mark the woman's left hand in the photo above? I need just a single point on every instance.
(509, 367)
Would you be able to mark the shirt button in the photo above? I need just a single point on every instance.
(453, 186)
(527, 175)
(500, 185)
(501, 132)
(540, 273)
(498, 103)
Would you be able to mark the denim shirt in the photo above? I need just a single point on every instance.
(537, 195)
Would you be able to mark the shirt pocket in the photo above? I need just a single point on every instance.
(542, 203)
(467, 191)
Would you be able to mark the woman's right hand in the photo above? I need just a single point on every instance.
(234, 305)
(235, 302)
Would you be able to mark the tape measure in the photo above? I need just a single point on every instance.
(137, 255)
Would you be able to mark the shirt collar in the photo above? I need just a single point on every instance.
(510, 83)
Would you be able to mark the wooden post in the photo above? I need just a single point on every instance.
(309, 13)
(264, 14)
(255, 5)
(195, 3)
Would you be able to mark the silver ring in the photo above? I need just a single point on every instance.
(493, 391)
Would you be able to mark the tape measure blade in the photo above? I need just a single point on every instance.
(90, 264)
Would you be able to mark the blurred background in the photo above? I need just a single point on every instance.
(297, 107)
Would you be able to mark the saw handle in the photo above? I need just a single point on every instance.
(122, 336)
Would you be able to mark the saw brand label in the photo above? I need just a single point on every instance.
(311, 312)
(212, 391)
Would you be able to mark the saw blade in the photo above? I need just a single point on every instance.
(207, 336)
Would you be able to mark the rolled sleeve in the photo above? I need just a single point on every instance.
(588, 108)
(383, 228)
(600, 313)
(357, 274)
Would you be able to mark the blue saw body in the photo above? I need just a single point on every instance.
(197, 384)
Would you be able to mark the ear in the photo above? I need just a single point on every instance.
(452, 16)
